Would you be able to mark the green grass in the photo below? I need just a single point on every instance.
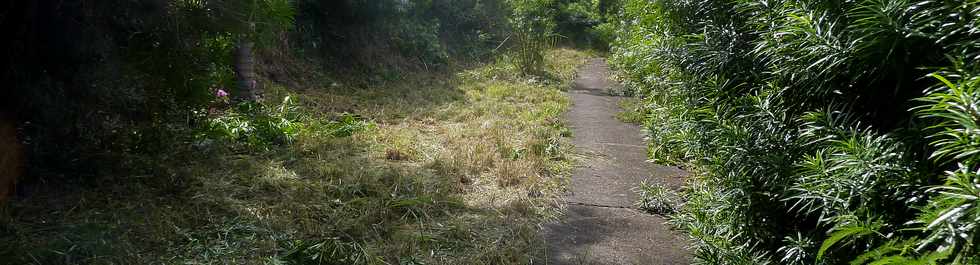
(455, 168)
(657, 198)
(632, 110)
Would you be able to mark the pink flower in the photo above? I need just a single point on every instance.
(221, 93)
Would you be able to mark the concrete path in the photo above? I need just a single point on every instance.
(600, 226)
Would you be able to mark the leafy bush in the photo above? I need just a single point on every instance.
(258, 125)
(533, 25)
(423, 32)
(254, 124)
(422, 40)
(804, 121)
(576, 18)
(656, 198)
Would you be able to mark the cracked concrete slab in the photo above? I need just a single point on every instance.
(591, 235)
(599, 227)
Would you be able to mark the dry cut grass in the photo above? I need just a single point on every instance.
(457, 168)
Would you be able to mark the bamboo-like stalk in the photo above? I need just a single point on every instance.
(530, 50)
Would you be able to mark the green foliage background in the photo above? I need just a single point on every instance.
(819, 132)
(94, 83)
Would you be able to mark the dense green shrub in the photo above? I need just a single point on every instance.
(424, 32)
(576, 18)
(253, 124)
(812, 128)
(261, 125)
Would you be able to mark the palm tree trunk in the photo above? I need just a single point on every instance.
(244, 66)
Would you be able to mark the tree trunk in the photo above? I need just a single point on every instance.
(244, 67)
(11, 157)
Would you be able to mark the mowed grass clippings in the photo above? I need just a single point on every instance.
(454, 168)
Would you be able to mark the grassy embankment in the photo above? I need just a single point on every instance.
(453, 168)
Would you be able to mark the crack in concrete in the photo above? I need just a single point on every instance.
(601, 205)
(626, 145)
